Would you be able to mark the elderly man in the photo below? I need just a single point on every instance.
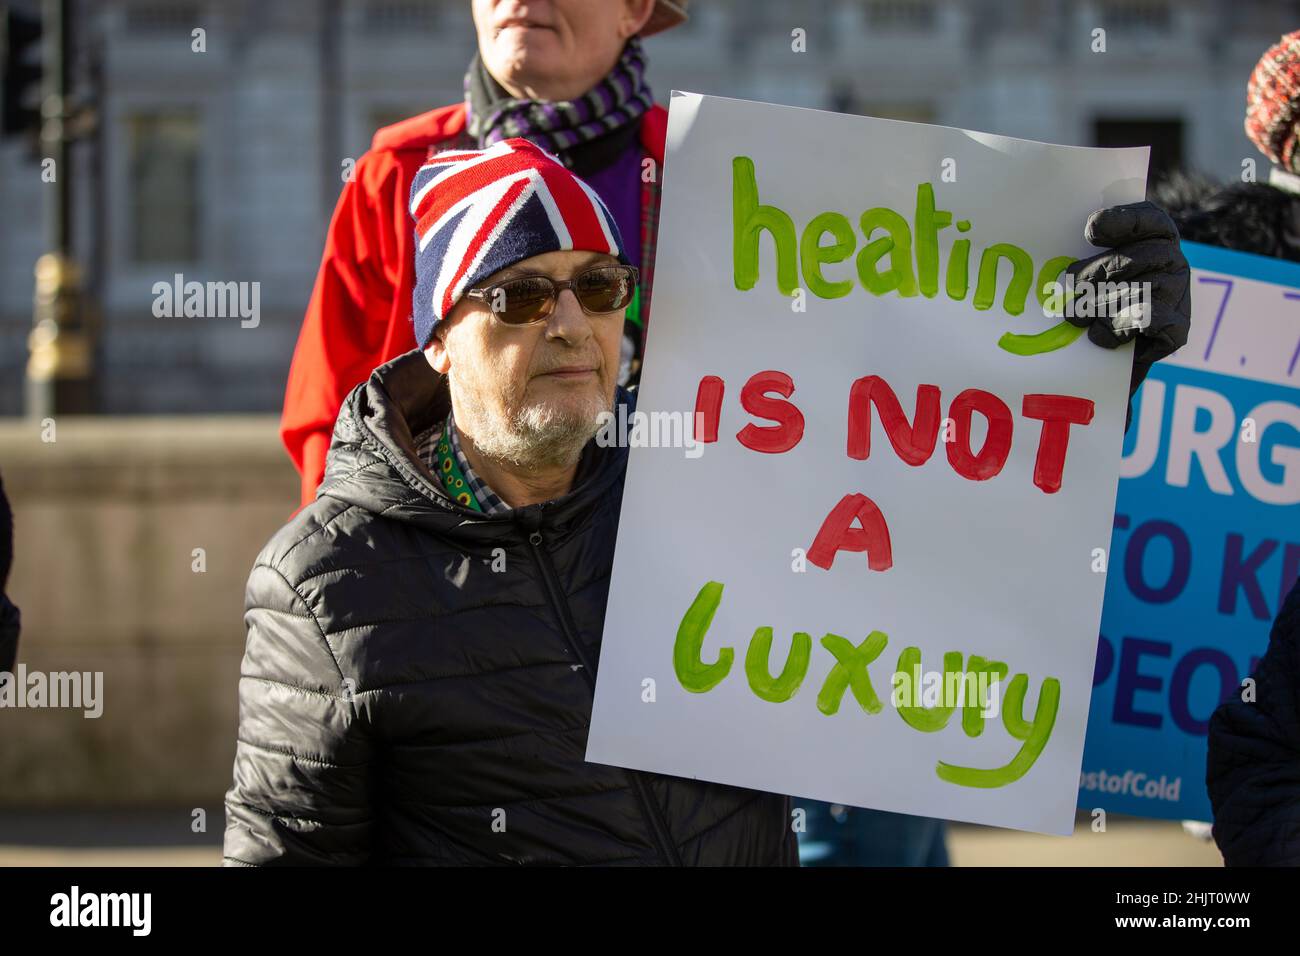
(422, 638)
(568, 75)
(418, 678)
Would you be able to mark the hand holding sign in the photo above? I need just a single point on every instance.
(1144, 247)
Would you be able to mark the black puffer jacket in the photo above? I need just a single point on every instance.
(1253, 768)
(401, 702)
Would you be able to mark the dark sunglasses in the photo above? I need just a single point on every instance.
(526, 300)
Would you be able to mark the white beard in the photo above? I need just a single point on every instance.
(534, 436)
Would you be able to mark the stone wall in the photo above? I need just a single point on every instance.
(108, 517)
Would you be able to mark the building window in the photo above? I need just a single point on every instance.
(401, 16)
(912, 112)
(164, 186)
(1144, 16)
(901, 15)
(843, 98)
(163, 16)
(1163, 134)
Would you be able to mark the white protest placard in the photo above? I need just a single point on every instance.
(908, 468)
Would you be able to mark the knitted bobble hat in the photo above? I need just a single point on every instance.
(1273, 103)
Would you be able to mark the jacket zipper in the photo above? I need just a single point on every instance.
(649, 808)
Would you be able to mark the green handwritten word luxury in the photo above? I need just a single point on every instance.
(899, 257)
(850, 673)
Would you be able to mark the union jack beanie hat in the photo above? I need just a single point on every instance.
(478, 211)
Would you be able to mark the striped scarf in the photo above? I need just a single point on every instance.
(615, 102)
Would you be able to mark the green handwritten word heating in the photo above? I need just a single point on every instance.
(902, 258)
(850, 674)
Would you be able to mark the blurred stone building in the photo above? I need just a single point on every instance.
(224, 164)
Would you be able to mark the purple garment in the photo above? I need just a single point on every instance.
(619, 185)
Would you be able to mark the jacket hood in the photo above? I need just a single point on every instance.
(373, 463)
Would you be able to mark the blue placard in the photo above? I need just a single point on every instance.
(1206, 541)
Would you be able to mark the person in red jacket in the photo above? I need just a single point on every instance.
(568, 75)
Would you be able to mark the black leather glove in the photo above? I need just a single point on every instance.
(1142, 246)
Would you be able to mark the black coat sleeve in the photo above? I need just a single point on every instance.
(9, 625)
(9, 617)
(302, 783)
(1253, 768)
